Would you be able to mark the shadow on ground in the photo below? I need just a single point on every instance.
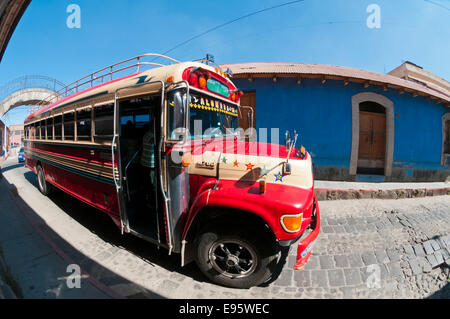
(101, 225)
(103, 275)
(443, 293)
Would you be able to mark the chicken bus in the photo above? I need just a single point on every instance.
(125, 140)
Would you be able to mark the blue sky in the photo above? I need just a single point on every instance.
(312, 31)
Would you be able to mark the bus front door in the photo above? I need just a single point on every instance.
(138, 140)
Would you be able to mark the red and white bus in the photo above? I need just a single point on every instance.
(123, 144)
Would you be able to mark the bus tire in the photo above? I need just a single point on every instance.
(224, 254)
(44, 187)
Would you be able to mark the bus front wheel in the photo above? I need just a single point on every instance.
(44, 187)
(237, 259)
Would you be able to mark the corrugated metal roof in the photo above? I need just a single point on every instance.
(269, 69)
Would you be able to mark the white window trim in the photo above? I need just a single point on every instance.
(389, 106)
(444, 156)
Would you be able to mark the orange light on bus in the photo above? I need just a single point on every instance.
(236, 95)
(291, 223)
(202, 82)
(170, 79)
(262, 186)
(186, 159)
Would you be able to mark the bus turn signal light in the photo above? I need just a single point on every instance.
(186, 159)
(291, 223)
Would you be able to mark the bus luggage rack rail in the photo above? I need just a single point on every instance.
(105, 74)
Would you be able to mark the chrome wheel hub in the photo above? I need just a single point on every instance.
(233, 258)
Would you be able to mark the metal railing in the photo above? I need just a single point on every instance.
(103, 74)
(30, 82)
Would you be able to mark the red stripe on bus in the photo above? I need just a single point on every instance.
(73, 157)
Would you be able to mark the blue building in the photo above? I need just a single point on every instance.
(356, 124)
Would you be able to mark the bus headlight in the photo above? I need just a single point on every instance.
(291, 223)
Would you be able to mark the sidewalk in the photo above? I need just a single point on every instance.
(331, 190)
(29, 267)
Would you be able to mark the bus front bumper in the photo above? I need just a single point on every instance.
(305, 246)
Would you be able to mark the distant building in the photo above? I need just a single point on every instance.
(16, 135)
(4, 139)
(357, 125)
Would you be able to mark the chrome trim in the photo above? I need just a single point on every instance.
(183, 251)
(126, 170)
(123, 218)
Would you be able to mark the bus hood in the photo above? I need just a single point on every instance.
(249, 162)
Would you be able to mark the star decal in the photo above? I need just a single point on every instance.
(236, 163)
(264, 171)
(250, 166)
(278, 177)
(224, 160)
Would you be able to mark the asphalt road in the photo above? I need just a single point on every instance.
(367, 249)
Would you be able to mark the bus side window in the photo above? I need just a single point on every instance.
(104, 121)
(43, 130)
(84, 125)
(31, 132)
(58, 127)
(50, 128)
(69, 126)
(37, 131)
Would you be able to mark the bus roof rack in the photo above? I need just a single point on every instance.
(106, 73)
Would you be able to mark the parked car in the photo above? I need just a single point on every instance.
(21, 155)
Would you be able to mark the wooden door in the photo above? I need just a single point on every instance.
(248, 99)
(447, 138)
(372, 139)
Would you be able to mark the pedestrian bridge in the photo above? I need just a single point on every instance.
(24, 97)
(27, 90)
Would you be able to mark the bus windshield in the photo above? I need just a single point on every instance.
(208, 117)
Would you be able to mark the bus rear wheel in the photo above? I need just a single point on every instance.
(237, 259)
(44, 187)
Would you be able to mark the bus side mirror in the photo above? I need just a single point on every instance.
(286, 168)
(287, 139)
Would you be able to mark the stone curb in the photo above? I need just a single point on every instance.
(5, 290)
(342, 194)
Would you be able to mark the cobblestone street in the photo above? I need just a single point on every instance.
(405, 241)
(367, 249)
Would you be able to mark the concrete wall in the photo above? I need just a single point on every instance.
(4, 140)
(16, 134)
(322, 114)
